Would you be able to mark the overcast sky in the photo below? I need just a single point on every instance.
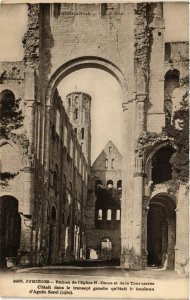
(104, 89)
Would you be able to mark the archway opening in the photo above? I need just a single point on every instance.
(52, 236)
(170, 84)
(161, 166)
(106, 249)
(10, 228)
(161, 232)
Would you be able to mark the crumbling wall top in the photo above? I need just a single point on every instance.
(32, 37)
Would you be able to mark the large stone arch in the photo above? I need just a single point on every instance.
(64, 70)
(82, 63)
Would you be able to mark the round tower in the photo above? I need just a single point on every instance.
(78, 106)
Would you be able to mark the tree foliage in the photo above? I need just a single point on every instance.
(179, 130)
(11, 117)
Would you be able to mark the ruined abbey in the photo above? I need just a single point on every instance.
(58, 208)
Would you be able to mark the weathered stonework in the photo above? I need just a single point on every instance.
(32, 37)
(143, 38)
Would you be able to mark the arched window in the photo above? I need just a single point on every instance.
(7, 99)
(106, 249)
(86, 177)
(170, 84)
(69, 220)
(119, 184)
(69, 102)
(110, 184)
(106, 163)
(58, 122)
(112, 163)
(70, 185)
(75, 114)
(56, 179)
(75, 130)
(99, 215)
(66, 237)
(103, 9)
(98, 183)
(118, 214)
(65, 136)
(9, 109)
(109, 215)
(83, 173)
(79, 206)
(80, 165)
(168, 111)
(82, 146)
(71, 148)
(57, 10)
(69, 198)
(53, 213)
(82, 133)
(63, 218)
(161, 166)
(64, 180)
(76, 156)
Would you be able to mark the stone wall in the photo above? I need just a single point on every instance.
(182, 232)
(103, 196)
(67, 187)
(70, 35)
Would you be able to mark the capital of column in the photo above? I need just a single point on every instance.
(139, 165)
(28, 169)
(141, 97)
(145, 202)
(29, 102)
(125, 106)
(48, 108)
(139, 174)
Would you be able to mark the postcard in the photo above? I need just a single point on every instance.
(94, 196)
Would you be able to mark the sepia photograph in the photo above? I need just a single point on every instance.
(94, 150)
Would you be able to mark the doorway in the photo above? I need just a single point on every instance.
(161, 232)
(106, 249)
(10, 228)
(52, 237)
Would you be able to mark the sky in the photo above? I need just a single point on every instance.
(103, 88)
(106, 105)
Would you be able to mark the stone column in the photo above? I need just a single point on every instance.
(182, 231)
(25, 257)
(125, 203)
(30, 108)
(42, 218)
(53, 243)
(164, 241)
(137, 213)
(144, 230)
(28, 170)
(141, 120)
(171, 242)
(30, 132)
